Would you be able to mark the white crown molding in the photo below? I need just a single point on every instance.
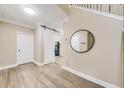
(99, 13)
(7, 67)
(16, 23)
(90, 78)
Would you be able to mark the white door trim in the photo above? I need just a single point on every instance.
(25, 33)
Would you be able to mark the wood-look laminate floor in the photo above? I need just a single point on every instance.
(48, 76)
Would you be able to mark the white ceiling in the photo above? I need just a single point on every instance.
(46, 14)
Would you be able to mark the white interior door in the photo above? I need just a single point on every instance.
(24, 47)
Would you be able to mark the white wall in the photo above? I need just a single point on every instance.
(8, 42)
(103, 60)
(39, 45)
(58, 38)
(122, 55)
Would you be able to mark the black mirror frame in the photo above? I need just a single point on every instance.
(79, 31)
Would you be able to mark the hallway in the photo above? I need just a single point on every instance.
(48, 76)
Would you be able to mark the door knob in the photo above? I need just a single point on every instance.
(19, 50)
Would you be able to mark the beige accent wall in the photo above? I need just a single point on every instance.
(103, 60)
(39, 45)
(8, 42)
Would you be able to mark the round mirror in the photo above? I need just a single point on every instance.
(82, 41)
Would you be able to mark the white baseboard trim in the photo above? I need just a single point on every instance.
(37, 63)
(23, 63)
(7, 67)
(90, 78)
(41, 64)
(14, 65)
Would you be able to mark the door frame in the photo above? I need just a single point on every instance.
(17, 46)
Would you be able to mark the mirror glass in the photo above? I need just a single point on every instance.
(82, 41)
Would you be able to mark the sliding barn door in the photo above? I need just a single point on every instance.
(49, 55)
